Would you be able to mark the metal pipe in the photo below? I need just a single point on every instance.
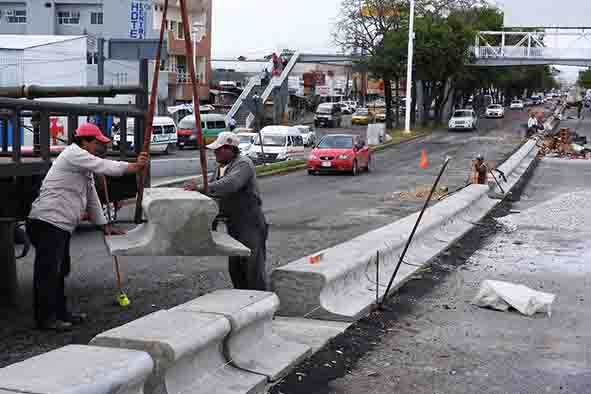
(69, 108)
(36, 91)
(149, 118)
(414, 230)
(196, 100)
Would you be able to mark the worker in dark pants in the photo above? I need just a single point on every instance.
(234, 186)
(67, 192)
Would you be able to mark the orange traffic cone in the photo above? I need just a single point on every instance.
(424, 160)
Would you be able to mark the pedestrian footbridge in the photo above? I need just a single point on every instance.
(532, 48)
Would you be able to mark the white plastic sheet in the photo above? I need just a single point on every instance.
(502, 295)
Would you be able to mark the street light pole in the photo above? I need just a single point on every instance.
(411, 38)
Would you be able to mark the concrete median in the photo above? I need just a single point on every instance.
(178, 224)
(78, 369)
(341, 284)
(252, 344)
(187, 350)
(515, 168)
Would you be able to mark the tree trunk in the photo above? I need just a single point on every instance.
(420, 102)
(397, 102)
(388, 97)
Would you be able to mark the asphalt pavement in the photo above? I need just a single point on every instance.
(306, 214)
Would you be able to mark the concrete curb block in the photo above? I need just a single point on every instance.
(77, 369)
(179, 224)
(187, 350)
(342, 286)
(252, 344)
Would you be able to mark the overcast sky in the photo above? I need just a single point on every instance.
(258, 27)
(254, 28)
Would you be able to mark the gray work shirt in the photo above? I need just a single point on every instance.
(238, 196)
(68, 190)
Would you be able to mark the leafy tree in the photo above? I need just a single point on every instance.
(585, 79)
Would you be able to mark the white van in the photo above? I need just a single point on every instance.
(164, 135)
(279, 143)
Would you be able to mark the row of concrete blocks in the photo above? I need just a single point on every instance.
(221, 343)
(343, 283)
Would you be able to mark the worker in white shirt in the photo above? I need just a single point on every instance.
(67, 192)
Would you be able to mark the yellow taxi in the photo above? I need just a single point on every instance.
(362, 117)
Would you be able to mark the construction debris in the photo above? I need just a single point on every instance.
(566, 144)
(421, 193)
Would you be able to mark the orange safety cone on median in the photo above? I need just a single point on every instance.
(424, 160)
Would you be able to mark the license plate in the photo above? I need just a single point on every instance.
(326, 164)
(181, 144)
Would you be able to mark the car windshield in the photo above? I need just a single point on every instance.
(336, 142)
(516, 102)
(362, 112)
(495, 106)
(245, 139)
(462, 114)
(324, 110)
(271, 140)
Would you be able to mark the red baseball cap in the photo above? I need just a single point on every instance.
(90, 130)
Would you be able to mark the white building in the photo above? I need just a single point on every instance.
(43, 60)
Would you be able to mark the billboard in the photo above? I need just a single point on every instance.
(546, 13)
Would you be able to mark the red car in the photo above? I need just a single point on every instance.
(340, 153)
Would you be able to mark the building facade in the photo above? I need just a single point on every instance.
(135, 19)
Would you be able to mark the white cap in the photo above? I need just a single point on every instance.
(225, 138)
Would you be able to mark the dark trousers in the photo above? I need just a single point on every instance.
(52, 266)
(250, 273)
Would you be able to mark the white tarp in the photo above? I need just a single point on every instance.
(502, 295)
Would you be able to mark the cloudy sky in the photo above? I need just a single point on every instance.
(254, 28)
(257, 27)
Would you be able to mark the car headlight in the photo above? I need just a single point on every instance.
(312, 157)
(343, 157)
(282, 155)
(193, 137)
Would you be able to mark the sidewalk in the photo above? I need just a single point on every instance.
(431, 340)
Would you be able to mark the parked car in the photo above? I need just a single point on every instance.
(164, 135)
(211, 125)
(340, 153)
(517, 104)
(279, 143)
(463, 119)
(495, 111)
(362, 117)
(308, 134)
(246, 141)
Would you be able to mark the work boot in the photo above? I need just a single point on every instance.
(55, 325)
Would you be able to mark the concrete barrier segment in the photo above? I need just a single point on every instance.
(342, 285)
(187, 350)
(78, 369)
(515, 167)
(252, 344)
(178, 224)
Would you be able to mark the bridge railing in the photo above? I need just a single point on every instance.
(487, 52)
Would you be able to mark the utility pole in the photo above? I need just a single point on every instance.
(100, 42)
(411, 39)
